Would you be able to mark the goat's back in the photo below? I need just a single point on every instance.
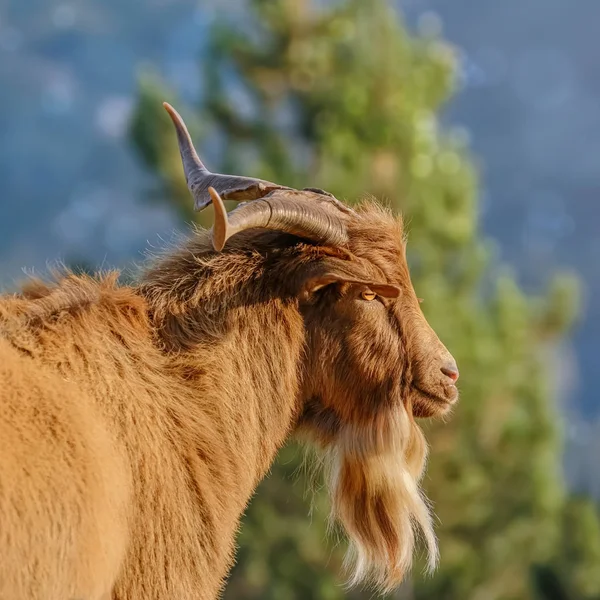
(63, 488)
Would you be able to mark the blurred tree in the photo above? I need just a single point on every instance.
(574, 573)
(547, 584)
(345, 99)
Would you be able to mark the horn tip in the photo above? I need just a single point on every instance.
(221, 227)
(172, 112)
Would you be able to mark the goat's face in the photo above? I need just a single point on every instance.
(370, 347)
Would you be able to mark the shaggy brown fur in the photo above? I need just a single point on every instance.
(136, 422)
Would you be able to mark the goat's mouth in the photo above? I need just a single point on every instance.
(431, 403)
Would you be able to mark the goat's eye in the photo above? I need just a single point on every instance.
(368, 295)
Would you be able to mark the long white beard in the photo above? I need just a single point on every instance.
(373, 475)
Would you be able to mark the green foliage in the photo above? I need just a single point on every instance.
(345, 99)
(578, 558)
(573, 573)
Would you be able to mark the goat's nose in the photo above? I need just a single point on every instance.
(451, 370)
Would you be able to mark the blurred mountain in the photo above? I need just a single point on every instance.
(68, 74)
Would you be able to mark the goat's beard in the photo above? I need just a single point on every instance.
(373, 475)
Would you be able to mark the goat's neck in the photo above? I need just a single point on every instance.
(241, 373)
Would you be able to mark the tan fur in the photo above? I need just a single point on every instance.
(136, 422)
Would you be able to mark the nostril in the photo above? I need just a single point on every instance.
(451, 370)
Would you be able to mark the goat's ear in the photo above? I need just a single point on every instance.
(318, 282)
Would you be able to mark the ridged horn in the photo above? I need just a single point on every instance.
(283, 210)
(199, 178)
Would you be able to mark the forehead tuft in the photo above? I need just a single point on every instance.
(377, 235)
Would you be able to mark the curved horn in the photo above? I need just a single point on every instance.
(199, 178)
(287, 211)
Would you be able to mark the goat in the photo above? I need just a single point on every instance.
(136, 421)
